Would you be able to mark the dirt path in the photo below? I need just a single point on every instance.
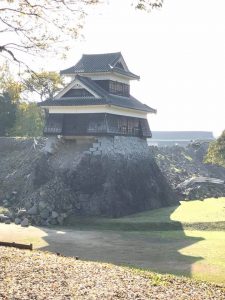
(128, 248)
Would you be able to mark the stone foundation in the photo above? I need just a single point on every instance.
(104, 176)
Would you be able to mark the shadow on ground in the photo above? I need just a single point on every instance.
(152, 245)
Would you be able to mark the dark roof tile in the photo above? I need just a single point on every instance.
(105, 98)
(128, 102)
(91, 63)
(73, 101)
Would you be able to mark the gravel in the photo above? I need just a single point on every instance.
(30, 275)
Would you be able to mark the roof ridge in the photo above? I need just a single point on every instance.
(100, 62)
(98, 89)
(110, 53)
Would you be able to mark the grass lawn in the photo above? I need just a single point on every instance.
(191, 215)
(168, 240)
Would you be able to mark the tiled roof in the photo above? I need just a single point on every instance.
(123, 72)
(128, 102)
(92, 85)
(74, 101)
(105, 98)
(96, 62)
(92, 63)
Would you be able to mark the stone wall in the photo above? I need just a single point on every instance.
(187, 173)
(107, 176)
(119, 145)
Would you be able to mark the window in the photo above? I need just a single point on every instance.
(119, 88)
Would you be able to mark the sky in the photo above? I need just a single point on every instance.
(178, 51)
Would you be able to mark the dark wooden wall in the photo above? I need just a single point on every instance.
(96, 124)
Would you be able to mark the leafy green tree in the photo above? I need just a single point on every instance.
(44, 84)
(29, 120)
(216, 152)
(19, 117)
(9, 85)
(7, 114)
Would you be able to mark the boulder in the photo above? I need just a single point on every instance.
(60, 219)
(3, 218)
(33, 210)
(53, 221)
(54, 214)
(45, 213)
(42, 205)
(17, 221)
(6, 203)
(25, 222)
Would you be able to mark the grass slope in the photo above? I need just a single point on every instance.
(193, 215)
(185, 240)
(133, 240)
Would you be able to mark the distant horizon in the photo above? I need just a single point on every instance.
(183, 134)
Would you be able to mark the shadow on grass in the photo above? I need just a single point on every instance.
(126, 241)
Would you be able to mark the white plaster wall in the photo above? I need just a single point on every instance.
(102, 76)
(110, 109)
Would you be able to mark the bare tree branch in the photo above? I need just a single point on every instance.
(37, 26)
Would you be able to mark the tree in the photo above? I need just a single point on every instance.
(7, 114)
(9, 85)
(216, 152)
(35, 26)
(29, 120)
(44, 84)
(19, 117)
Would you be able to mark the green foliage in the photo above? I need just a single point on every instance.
(45, 84)
(7, 114)
(19, 117)
(216, 152)
(193, 215)
(9, 85)
(29, 120)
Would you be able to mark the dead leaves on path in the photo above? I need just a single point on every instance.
(43, 276)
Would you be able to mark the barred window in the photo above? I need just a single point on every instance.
(119, 88)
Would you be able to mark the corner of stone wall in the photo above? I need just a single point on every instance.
(51, 145)
(120, 145)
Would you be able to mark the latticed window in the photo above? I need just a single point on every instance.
(133, 126)
(122, 125)
(54, 123)
(119, 88)
(91, 124)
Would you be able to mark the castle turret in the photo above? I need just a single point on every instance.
(97, 101)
